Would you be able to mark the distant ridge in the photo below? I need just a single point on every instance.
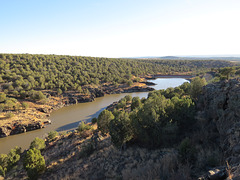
(170, 57)
(227, 58)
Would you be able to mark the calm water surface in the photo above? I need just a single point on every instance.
(69, 117)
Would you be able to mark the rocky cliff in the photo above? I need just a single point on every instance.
(220, 106)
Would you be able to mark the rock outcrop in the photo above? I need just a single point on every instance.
(21, 128)
(220, 104)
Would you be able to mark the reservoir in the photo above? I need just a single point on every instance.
(68, 118)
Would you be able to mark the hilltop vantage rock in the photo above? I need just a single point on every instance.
(220, 105)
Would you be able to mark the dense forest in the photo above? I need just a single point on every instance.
(26, 76)
(26, 72)
(161, 120)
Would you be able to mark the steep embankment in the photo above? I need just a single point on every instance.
(220, 105)
(90, 156)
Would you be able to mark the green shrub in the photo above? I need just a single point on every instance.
(226, 72)
(2, 97)
(37, 95)
(15, 93)
(137, 79)
(103, 121)
(64, 133)
(43, 101)
(3, 164)
(94, 120)
(136, 102)
(25, 105)
(8, 161)
(122, 103)
(13, 156)
(34, 163)
(3, 160)
(59, 91)
(129, 83)
(187, 151)
(128, 98)
(38, 143)
(120, 129)
(52, 135)
(2, 107)
(196, 86)
(82, 127)
(87, 150)
(3, 171)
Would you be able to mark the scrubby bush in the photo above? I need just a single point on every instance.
(128, 98)
(94, 120)
(226, 72)
(186, 87)
(52, 135)
(129, 82)
(59, 91)
(87, 150)
(7, 161)
(38, 143)
(1, 107)
(137, 79)
(136, 103)
(83, 126)
(37, 95)
(2, 171)
(187, 151)
(34, 163)
(122, 103)
(25, 105)
(2, 97)
(103, 121)
(13, 156)
(3, 164)
(196, 86)
(120, 129)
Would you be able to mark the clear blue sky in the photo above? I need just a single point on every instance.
(120, 28)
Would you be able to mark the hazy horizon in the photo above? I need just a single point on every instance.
(187, 56)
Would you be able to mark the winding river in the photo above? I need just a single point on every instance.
(69, 117)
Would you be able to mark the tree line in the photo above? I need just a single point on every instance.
(158, 121)
(26, 75)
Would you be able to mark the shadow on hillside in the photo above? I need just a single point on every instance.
(72, 167)
(74, 125)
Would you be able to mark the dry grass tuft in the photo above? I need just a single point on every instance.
(159, 168)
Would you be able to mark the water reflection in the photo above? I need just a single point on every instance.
(68, 118)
